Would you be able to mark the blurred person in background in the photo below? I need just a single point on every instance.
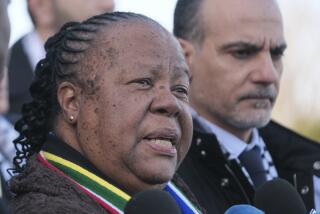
(4, 42)
(47, 16)
(4, 36)
(7, 131)
(234, 51)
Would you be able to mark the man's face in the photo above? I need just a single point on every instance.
(79, 10)
(4, 35)
(134, 124)
(236, 70)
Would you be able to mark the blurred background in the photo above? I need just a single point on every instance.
(298, 105)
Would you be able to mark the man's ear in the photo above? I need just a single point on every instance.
(69, 99)
(188, 50)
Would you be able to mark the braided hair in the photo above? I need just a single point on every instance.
(63, 52)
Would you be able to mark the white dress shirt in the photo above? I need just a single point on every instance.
(34, 48)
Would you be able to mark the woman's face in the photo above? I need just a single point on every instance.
(134, 125)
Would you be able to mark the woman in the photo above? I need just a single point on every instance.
(108, 119)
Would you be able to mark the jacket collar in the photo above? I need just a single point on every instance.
(205, 147)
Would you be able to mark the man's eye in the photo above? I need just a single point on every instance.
(243, 53)
(276, 54)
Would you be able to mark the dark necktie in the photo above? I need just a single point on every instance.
(252, 161)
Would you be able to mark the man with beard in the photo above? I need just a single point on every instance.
(234, 50)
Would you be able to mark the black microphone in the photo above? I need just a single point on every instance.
(152, 201)
(278, 197)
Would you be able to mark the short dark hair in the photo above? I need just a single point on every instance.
(187, 20)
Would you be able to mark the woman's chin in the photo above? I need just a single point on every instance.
(157, 177)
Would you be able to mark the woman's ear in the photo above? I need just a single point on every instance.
(69, 100)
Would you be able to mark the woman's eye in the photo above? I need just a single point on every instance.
(182, 91)
(143, 83)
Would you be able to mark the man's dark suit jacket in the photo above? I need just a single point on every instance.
(219, 183)
(20, 77)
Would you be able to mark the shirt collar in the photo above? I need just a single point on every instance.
(230, 144)
(34, 48)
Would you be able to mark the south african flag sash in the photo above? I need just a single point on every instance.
(107, 195)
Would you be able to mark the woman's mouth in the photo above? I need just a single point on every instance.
(163, 142)
(163, 146)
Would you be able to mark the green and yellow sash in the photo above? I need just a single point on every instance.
(107, 195)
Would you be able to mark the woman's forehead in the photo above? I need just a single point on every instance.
(139, 41)
(132, 31)
(137, 47)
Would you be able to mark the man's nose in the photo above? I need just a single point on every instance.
(266, 70)
(165, 103)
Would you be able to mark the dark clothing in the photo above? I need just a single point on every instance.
(20, 76)
(42, 190)
(4, 197)
(219, 183)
